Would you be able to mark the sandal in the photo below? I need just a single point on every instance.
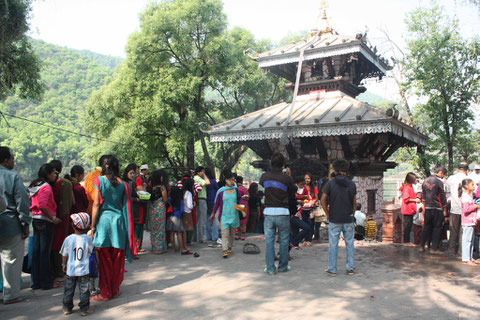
(186, 252)
(99, 297)
(57, 284)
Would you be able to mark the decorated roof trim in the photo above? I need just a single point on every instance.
(323, 52)
(380, 126)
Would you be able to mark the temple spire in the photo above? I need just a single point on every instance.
(322, 24)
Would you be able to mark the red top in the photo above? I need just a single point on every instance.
(81, 201)
(408, 208)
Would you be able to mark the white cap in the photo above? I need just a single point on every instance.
(144, 167)
(477, 167)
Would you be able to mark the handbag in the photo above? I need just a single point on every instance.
(241, 211)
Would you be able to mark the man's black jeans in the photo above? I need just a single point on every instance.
(70, 285)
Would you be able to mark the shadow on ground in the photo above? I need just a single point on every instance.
(391, 282)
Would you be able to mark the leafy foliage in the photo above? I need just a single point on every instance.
(69, 80)
(184, 71)
(442, 68)
(19, 68)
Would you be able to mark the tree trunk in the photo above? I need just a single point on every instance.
(423, 161)
(191, 153)
(231, 159)
(206, 153)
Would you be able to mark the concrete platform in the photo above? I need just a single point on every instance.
(392, 282)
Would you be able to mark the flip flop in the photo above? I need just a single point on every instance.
(186, 252)
(99, 297)
(57, 284)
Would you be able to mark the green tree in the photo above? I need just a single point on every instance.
(184, 71)
(19, 67)
(442, 68)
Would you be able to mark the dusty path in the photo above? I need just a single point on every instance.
(391, 282)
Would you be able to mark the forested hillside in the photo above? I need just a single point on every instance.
(69, 76)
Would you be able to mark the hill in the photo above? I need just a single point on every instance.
(70, 76)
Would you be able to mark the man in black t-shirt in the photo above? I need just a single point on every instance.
(341, 195)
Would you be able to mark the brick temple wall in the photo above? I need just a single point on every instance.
(370, 183)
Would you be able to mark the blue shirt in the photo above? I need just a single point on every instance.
(77, 248)
(276, 211)
(212, 189)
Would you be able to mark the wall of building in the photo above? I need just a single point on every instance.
(370, 183)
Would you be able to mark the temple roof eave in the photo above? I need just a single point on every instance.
(355, 46)
(380, 126)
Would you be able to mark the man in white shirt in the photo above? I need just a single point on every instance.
(453, 183)
(475, 175)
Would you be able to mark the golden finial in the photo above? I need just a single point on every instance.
(322, 25)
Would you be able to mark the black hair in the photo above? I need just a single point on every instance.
(110, 169)
(410, 178)
(210, 174)
(42, 176)
(227, 176)
(176, 195)
(187, 174)
(465, 182)
(102, 159)
(341, 166)
(277, 160)
(239, 179)
(439, 168)
(76, 170)
(5, 154)
(299, 179)
(159, 178)
(253, 189)
(359, 206)
(57, 164)
(311, 185)
(131, 166)
(223, 174)
(188, 185)
(199, 169)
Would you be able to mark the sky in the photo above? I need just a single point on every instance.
(104, 26)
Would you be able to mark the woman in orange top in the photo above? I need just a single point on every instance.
(89, 185)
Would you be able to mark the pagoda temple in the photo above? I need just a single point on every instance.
(324, 122)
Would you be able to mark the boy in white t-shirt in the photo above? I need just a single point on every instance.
(75, 251)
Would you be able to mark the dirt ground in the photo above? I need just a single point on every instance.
(391, 282)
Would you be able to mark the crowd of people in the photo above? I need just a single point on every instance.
(86, 225)
(440, 204)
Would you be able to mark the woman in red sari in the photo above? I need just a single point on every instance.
(81, 201)
(112, 229)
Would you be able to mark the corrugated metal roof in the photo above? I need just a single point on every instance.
(327, 45)
(324, 41)
(331, 113)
